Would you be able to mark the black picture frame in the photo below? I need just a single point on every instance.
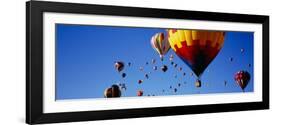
(34, 61)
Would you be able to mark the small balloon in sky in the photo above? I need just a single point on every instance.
(163, 90)
(119, 66)
(171, 57)
(146, 63)
(225, 82)
(230, 59)
(242, 78)
(129, 64)
(249, 65)
(191, 74)
(153, 61)
(140, 81)
(141, 68)
(154, 67)
(180, 69)
(164, 68)
(179, 84)
(171, 87)
(175, 90)
(139, 92)
(175, 65)
(242, 50)
(172, 63)
(146, 76)
(123, 86)
(124, 75)
(198, 83)
(184, 74)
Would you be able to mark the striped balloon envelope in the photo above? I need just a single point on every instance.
(160, 44)
(197, 48)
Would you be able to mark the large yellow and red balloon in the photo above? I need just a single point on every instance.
(197, 48)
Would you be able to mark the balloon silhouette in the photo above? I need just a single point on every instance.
(124, 75)
(164, 68)
(242, 78)
(140, 93)
(113, 91)
(119, 66)
(195, 47)
(160, 44)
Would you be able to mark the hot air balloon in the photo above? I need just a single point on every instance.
(175, 90)
(140, 81)
(225, 82)
(249, 65)
(154, 67)
(180, 69)
(230, 59)
(171, 57)
(172, 63)
(123, 86)
(242, 50)
(160, 44)
(153, 61)
(140, 93)
(124, 75)
(164, 68)
(198, 83)
(119, 66)
(129, 64)
(184, 74)
(179, 85)
(171, 87)
(197, 48)
(175, 65)
(113, 91)
(146, 76)
(242, 78)
(146, 63)
(141, 68)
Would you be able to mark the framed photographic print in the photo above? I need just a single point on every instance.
(95, 62)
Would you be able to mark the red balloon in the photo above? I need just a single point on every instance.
(242, 78)
(140, 93)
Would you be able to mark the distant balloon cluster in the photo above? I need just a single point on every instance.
(196, 48)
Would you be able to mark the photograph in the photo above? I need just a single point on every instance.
(97, 61)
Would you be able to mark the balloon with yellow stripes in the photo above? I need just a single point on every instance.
(197, 48)
(160, 44)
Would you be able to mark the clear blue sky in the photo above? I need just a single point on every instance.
(85, 57)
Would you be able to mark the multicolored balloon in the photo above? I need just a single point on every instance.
(113, 91)
(197, 48)
(242, 78)
(119, 66)
(160, 44)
